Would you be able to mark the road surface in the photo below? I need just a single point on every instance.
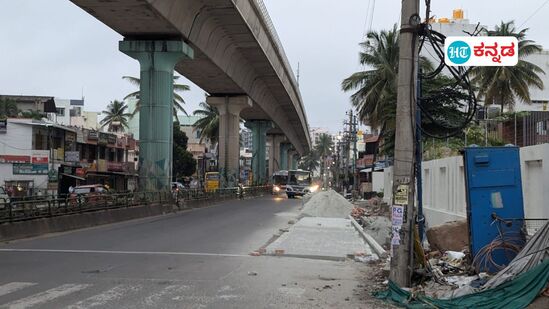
(193, 259)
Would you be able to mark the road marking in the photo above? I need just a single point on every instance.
(102, 299)
(154, 299)
(126, 252)
(14, 286)
(45, 296)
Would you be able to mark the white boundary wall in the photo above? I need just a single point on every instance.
(444, 186)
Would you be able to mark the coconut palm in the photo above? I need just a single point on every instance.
(116, 116)
(309, 162)
(208, 124)
(504, 85)
(178, 100)
(375, 88)
(323, 149)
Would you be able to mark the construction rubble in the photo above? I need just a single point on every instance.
(445, 275)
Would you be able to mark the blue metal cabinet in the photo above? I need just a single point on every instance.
(494, 190)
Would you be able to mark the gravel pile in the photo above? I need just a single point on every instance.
(327, 204)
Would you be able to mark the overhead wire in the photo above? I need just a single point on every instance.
(460, 75)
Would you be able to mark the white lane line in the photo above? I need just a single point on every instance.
(155, 298)
(102, 299)
(45, 296)
(126, 252)
(14, 286)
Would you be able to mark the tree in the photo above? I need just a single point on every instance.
(178, 100)
(8, 108)
(310, 162)
(183, 162)
(503, 85)
(323, 149)
(208, 124)
(116, 116)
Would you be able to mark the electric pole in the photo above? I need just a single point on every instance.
(404, 178)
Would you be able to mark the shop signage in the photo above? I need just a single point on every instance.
(72, 156)
(40, 156)
(93, 135)
(30, 169)
(80, 136)
(70, 137)
(115, 167)
(14, 159)
(111, 139)
(103, 139)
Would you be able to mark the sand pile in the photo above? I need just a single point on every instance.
(327, 204)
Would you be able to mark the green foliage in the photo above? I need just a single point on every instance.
(116, 118)
(183, 162)
(32, 114)
(208, 124)
(8, 108)
(503, 85)
(310, 162)
(178, 100)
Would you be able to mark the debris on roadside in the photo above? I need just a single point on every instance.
(452, 236)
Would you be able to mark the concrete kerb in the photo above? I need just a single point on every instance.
(378, 249)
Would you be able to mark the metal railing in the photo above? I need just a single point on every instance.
(48, 206)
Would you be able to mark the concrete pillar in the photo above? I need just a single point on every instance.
(259, 143)
(274, 153)
(157, 60)
(229, 135)
(284, 148)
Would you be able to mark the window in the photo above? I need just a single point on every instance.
(60, 111)
(540, 101)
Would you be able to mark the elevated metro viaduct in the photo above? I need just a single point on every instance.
(230, 49)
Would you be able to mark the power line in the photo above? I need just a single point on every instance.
(534, 13)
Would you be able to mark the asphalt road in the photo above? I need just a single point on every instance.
(194, 259)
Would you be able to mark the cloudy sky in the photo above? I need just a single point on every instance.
(54, 48)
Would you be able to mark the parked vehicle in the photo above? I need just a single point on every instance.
(4, 197)
(212, 181)
(86, 189)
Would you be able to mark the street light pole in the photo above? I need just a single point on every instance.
(404, 176)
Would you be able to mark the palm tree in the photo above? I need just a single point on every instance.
(503, 85)
(178, 100)
(375, 89)
(324, 148)
(310, 161)
(117, 116)
(8, 108)
(208, 124)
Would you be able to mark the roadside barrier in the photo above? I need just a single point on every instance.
(51, 206)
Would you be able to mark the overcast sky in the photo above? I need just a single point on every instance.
(54, 48)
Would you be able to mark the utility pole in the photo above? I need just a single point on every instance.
(404, 178)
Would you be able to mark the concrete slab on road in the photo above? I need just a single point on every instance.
(320, 238)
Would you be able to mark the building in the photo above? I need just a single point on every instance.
(316, 132)
(59, 111)
(203, 151)
(38, 157)
(246, 137)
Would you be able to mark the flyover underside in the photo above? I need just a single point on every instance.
(234, 53)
